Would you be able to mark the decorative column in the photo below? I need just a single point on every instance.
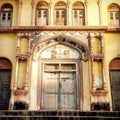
(28, 65)
(19, 12)
(68, 12)
(100, 12)
(33, 13)
(92, 65)
(86, 12)
(16, 74)
(103, 65)
(26, 77)
(51, 13)
(17, 59)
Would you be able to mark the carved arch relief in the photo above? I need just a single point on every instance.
(61, 47)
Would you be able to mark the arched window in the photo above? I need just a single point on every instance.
(114, 15)
(78, 14)
(42, 13)
(60, 13)
(6, 15)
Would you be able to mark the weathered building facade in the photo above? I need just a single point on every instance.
(60, 54)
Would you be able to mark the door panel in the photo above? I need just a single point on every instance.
(5, 76)
(115, 87)
(68, 90)
(50, 90)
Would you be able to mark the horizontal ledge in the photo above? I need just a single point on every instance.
(64, 28)
(50, 28)
(99, 93)
(58, 28)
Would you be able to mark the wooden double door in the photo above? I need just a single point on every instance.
(59, 86)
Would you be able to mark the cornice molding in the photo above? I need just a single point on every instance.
(59, 28)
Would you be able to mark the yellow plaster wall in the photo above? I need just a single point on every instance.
(112, 45)
(8, 49)
(22, 66)
(26, 13)
(24, 45)
(8, 45)
(93, 13)
(112, 50)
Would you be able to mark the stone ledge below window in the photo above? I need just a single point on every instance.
(99, 93)
(20, 92)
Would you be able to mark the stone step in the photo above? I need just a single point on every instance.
(61, 113)
(57, 118)
(58, 115)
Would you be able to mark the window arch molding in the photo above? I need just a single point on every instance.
(78, 14)
(6, 7)
(114, 15)
(78, 5)
(113, 7)
(115, 64)
(42, 5)
(42, 13)
(60, 5)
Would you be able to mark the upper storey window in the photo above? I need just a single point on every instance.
(78, 14)
(60, 13)
(114, 15)
(42, 13)
(6, 15)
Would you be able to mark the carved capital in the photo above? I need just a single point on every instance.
(33, 4)
(86, 2)
(20, 2)
(99, 3)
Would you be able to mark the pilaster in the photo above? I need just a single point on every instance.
(33, 13)
(100, 12)
(86, 12)
(20, 12)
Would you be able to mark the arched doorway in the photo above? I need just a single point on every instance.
(115, 83)
(59, 60)
(5, 80)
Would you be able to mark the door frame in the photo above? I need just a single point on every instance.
(79, 82)
(6, 65)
